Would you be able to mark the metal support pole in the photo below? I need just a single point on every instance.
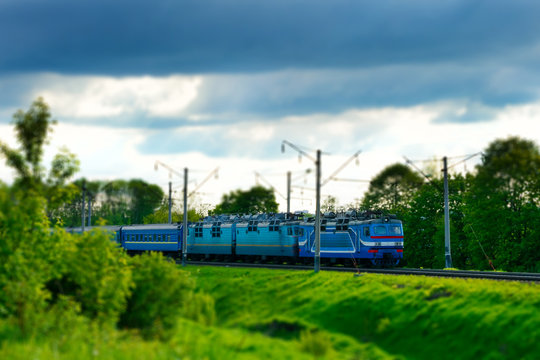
(89, 209)
(170, 202)
(317, 260)
(83, 209)
(185, 227)
(447, 252)
(288, 193)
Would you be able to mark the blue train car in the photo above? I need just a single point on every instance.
(212, 236)
(165, 238)
(266, 235)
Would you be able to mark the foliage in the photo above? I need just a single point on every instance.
(96, 275)
(53, 282)
(255, 200)
(161, 216)
(116, 202)
(424, 225)
(329, 204)
(392, 189)
(161, 294)
(503, 207)
(32, 128)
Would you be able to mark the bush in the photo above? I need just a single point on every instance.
(162, 293)
(97, 275)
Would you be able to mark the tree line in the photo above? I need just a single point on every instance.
(494, 210)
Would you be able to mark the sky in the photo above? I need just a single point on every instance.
(221, 83)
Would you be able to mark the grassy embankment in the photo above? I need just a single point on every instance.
(269, 314)
(377, 315)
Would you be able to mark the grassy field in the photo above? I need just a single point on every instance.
(374, 316)
(274, 314)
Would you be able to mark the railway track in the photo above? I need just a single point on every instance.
(504, 276)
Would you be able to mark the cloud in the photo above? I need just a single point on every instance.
(107, 97)
(193, 36)
(181, 100)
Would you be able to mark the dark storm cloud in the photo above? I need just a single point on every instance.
(264, 60)
(332, 91)
(198, 36)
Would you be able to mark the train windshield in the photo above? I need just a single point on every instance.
(379, 230)
(394, 230)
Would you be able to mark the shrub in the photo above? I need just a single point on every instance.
(162, 293)
(97, 275)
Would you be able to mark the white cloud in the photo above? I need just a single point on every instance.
(92, 97)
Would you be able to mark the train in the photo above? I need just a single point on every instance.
(350, 238)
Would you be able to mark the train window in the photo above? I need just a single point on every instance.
(216, 231)
(379, 230)
(168, 238)
(252, 225)
(366, 231)
(289, 231)
(198, 230)
(395, 230)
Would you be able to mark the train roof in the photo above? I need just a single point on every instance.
(174, 226)
(78, 229)
(245, 218)
(353, 216)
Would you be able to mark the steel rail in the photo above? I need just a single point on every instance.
(467, 274)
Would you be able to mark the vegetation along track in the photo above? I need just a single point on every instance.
(506, 276)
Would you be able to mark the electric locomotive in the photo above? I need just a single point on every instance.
(356, 237)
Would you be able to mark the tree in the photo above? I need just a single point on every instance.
(32, 129)
(503, 209)
(161, 215)
(116, 202)
(255, 200)
(423, 223)
(392, 188)
(329, 204)
(145, 199)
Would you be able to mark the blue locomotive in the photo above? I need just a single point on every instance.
(368, 236)
(348, 237)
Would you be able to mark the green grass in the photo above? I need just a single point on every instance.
(278, 314)
(404, 316)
